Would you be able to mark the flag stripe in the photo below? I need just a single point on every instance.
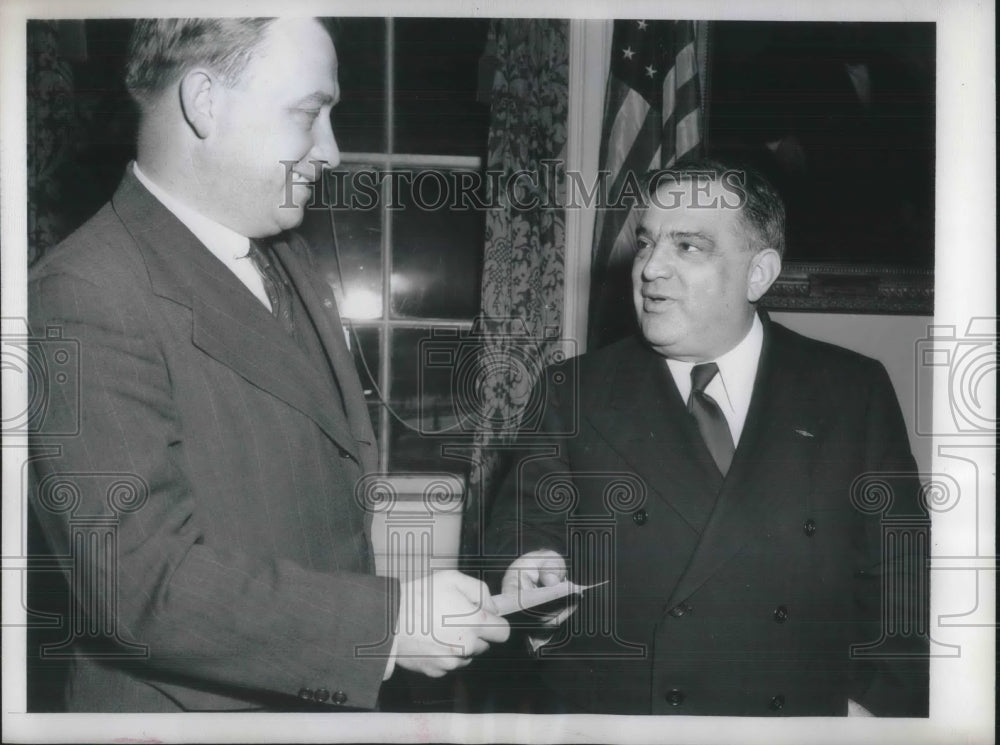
(687, 102)
(643, 148)
(628, 122)
(651, 120)
(688, 134)
(686, 64)
(679, 88)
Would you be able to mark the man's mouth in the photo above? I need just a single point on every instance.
(652, 299)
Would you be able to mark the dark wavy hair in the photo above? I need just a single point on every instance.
(762, 211)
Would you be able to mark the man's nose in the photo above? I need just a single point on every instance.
(658, 264)
(325, 147)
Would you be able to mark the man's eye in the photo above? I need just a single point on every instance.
(687, 247)
(308, 115)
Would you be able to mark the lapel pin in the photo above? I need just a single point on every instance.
(804, 433)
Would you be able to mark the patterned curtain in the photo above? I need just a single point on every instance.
(523, 270)
(51, 132)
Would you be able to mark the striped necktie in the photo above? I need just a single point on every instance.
(278, 292)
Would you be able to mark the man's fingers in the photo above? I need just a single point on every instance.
(511, 583)
(489, 606)
(473, 589)
(552, 576)
(492, 628)
(562, 615)
(478, 647)
(487, 624)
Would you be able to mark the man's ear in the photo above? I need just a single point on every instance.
(765, 266)
(199, 89)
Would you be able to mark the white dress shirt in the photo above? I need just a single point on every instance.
(229, 247)
(732, 387)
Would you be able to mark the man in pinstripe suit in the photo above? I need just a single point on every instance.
(222, 426)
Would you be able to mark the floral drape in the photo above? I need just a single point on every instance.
(51, 129)
(523, 270)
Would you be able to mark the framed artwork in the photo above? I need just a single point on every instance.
(840, 116)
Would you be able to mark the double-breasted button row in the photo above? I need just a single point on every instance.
(322, 695)
(675, 697)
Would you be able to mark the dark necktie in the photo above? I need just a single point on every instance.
(711, 421)
(277, 289)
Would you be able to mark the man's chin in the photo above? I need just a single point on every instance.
(654, 333)
(290, 217)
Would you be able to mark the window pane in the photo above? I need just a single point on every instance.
(437, 251)
(426, 366)
(437, 79)
(355, 220)
(365, 348)
(359, 118)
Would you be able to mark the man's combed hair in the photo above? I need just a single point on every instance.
(763, 210)
(161, 50)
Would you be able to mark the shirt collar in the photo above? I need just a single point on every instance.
(226, 244)
(737, 370)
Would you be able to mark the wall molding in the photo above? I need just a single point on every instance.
(589, 55)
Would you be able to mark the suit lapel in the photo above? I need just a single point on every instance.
(658, 439)
(772, 463)
(322, 309)
(229, 324)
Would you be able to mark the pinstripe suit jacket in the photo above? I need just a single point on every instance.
(221, 460)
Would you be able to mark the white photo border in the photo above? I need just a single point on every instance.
(962, 689)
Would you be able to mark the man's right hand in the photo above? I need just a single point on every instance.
(445, 619)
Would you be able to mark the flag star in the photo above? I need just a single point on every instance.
(642, 25)
(628, 52)
(650, 70)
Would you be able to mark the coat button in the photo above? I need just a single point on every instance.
(321, 695)
(639, 517)
(344, 454)
(809, 527)
(777, 703)
(680, 609)
(339, 697)
(781, 614)
(675, 697)
(306, 694)
(327, 302)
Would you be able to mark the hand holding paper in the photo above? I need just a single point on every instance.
(425, 640)
(521, 600)
(526, 585)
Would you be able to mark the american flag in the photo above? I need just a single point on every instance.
(651, 120)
